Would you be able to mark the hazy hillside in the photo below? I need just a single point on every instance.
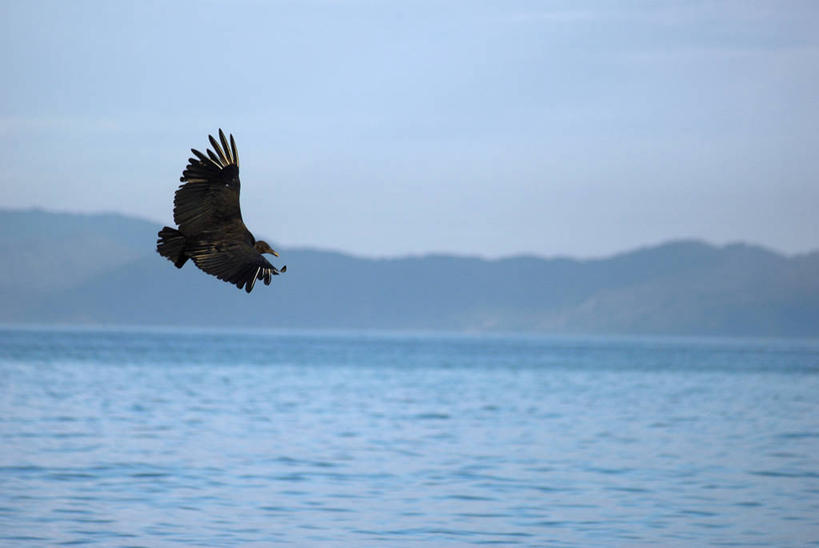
(96, 269)
(46, 250)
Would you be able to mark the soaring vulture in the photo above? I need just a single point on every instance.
(210, 230)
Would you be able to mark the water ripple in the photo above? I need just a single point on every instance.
(144, 439)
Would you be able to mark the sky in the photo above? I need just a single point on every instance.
(385, 128)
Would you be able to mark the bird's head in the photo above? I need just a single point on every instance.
(264, 247)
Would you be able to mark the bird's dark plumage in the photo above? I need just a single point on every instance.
(210, 228)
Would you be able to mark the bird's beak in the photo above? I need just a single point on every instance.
(274, 253)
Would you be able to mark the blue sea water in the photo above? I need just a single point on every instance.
(226, 438)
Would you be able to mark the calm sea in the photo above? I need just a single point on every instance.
(207, 438)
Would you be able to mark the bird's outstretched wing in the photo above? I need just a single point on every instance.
(210, 195)
(234, 262)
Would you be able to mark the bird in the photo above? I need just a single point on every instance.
(210, 231)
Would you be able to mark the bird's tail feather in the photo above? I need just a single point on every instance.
(171, 245)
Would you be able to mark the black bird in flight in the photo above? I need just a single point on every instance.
(210, 230)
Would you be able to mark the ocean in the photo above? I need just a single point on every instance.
(128, 437)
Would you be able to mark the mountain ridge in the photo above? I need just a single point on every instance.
(110, 274)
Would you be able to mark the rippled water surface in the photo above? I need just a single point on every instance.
(135, 438)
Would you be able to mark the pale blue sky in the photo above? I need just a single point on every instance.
(387, 128)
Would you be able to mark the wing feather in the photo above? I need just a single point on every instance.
(214, 157)
(233, 150)
(218, 150)
(237, 263)
(225, 147)
(209, 199)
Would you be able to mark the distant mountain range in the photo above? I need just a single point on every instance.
(102, 269)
